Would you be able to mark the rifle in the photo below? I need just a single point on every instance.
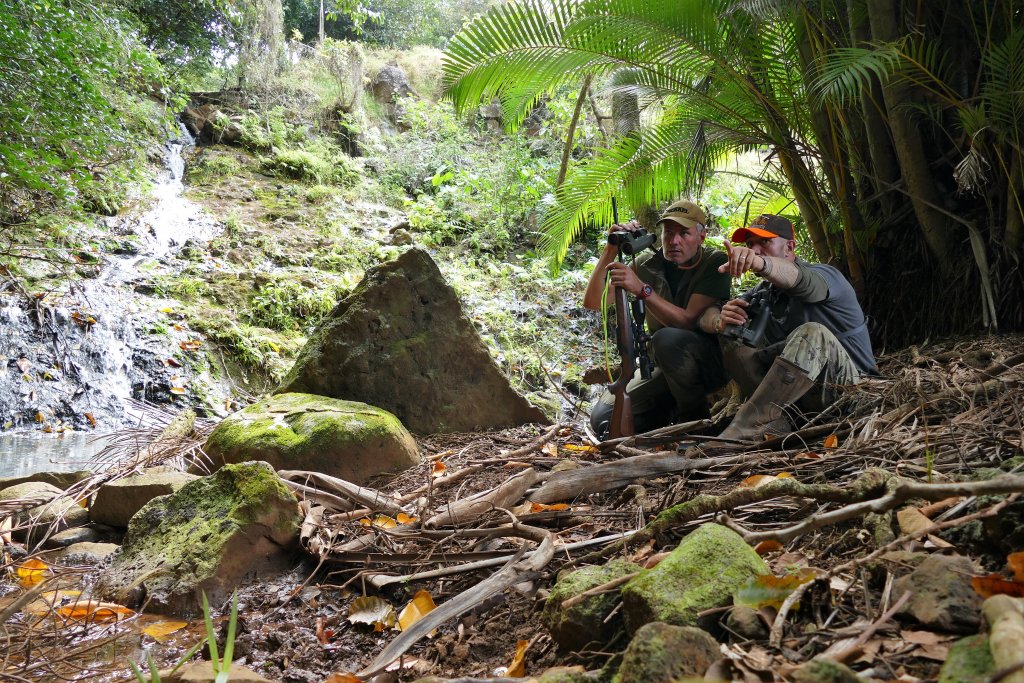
(631, 335)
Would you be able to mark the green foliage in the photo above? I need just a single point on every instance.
(289, 305)
(67, 76)
(211, 168)
(319, 162)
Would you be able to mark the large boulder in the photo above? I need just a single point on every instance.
(703, 572)
(401, 341)
(389, 84)
(116, 501)
(345, 439)
(216, 531)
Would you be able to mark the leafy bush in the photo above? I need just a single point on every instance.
(289, 305)
(211, 167)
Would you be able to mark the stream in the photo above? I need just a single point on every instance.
(91, 333)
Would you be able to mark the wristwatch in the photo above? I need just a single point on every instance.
(645, 292)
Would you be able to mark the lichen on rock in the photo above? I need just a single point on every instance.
(345, 439)
(207, 537)
(585, 622)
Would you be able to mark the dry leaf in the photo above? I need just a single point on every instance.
(581, 449)
(372, 610)
(831, 441)
(758, 480)
(550, 448)
(171, 363)
(912, 521)
(541, 507)
(996, 584)
(765, 547)
(342, 678)
(517, 669)
(516, 463)
(1015, 561)
(380, 521)
(190, 345)
(31, 572)
(420, 605)
(24, 364)
(923, 637)
(93, 611)
(177, 390)
(439, 470)
(808, 455)
(90, 418)
(161, 629)
(40, 417)
(771, 591)
(403, 518)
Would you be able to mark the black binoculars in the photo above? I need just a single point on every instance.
(751, 332)
(630, 243)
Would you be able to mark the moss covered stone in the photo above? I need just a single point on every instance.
(345, 439)
(823, 670)
(207, 537)
(662, 653)
(703, 572)
(969, 661)
(574, 627)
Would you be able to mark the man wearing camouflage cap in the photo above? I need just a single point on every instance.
(816, 335)
(677, 283)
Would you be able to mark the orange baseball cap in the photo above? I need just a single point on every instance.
(766, 225)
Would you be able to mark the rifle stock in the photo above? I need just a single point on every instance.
(622, 414)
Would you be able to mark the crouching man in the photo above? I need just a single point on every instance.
(815, 338)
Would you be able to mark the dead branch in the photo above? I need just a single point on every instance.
(504, 495)
(511, 574)
(775, 638)
(361, 495)
(533, 445)
(606, 587)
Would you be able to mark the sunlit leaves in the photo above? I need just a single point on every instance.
(421, 604)
(31, 572)
(376, 612)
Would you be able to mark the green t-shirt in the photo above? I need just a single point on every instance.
(678, 285)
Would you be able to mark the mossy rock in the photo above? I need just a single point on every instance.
(209, 536)
(969, 661)
(573, 628)
(662, 653)
(345, 439)
(823, 670)
(705, 571)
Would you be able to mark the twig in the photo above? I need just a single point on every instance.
(606, 587)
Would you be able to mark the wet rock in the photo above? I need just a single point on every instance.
(56, 515)
(576, 626)
(403, 327)
(88, 553)
(969, 661)
(117, 501)
(401, 237)
(209, 536)
(202, 672)
(345, 439)
(662, 653)
(942, 596)
(825, 671)
(703, 572)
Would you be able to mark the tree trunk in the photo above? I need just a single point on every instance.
(1014, 206)
(917, 177)
(571, 134)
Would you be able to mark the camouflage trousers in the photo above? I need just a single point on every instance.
(688, 366)
(812, 347)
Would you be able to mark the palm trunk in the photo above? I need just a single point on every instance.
(917, 177)
(1012, 237)
(571, 134)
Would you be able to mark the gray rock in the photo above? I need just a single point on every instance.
(84, 553)
(344, 439)
(401, 341)
(705, 571)
(389, 84)
(81, 534)
(117, 501)
(574, 627)
(942, 596)
(662, 653)
(56, 514)
(746, 623)
(62, 480)
(216, 531)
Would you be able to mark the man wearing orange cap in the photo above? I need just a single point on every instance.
(816, 334)
(677, 283)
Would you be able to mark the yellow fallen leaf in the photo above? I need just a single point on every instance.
(403, 518)
(380, 521)
(517, 669)
(421, 604)
(31, 572)
(177, 390)
(550, 448)
(758, 480)
(167, 309)
(342, 678)
(161, 629)
(771, 591)
(439, 470)
(581, 449)
(40, 417)
(831, 441)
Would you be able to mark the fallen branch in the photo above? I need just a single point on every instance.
(366, 497)
(511, 574)
(1005, 618)
(504, 495)
(606, 587)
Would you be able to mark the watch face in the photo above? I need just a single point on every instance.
(647, 291)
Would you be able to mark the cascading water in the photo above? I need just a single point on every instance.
(73, 356)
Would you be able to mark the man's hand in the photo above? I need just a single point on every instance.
(623, 276)
(741, 260)
(733, 313)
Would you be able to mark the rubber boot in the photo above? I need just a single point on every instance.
(764, 412)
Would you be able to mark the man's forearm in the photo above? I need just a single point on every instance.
(778, 271)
